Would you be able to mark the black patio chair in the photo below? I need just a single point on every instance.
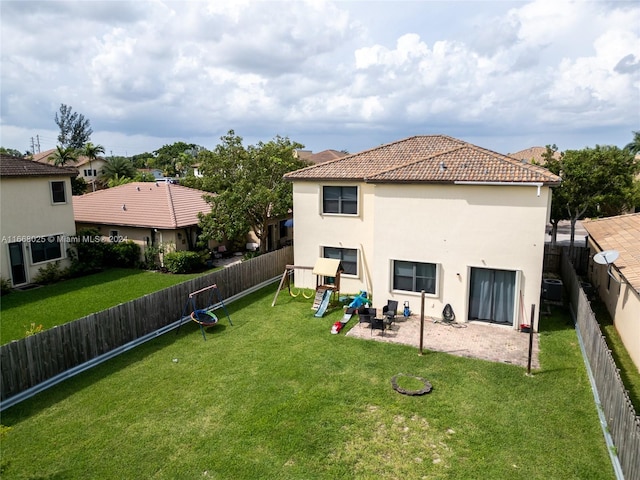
(366, 315)
(389, 311)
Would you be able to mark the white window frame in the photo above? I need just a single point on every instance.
(438, 279)
(343, 274)
(64, 190)
(322, 211)
(39, 240)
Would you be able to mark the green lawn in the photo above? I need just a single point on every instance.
(72, 299)
(277, 396)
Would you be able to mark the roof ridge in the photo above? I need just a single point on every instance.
(372, 149)
(172, 211)
(501, 157)
(414, 162)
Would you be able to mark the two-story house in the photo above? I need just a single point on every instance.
(36, 217)
(464, 224)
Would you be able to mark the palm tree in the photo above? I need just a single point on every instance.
(117, 168)
(62, 156)
(92, 151)
(634, 146)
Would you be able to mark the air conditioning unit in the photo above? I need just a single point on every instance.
(552, 289)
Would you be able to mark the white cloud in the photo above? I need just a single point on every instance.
(152, 71)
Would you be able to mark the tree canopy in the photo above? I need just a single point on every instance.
(117, 170)
(75, 129)
(596, 182)
(248, 185)
(63, 155)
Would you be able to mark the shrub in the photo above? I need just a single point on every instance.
(123, 254)
(183, 262)
(50, 273)
(89, 253)
(5, 286)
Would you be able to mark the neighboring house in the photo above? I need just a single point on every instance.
(533, 155)
(148, 213)
(620, 291)
(37, 217)
(312, 158)
(89, 170)
(432, 213)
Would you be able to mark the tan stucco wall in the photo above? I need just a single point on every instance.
(27, 210)
(623, 304)
(172, 240)
(457, 227)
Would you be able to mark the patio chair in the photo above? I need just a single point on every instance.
(378, 323)
(389, 311)
(366, 315)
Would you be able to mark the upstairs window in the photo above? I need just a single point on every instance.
(341, 200)
(58, 194)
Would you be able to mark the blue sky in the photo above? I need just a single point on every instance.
(330, 75)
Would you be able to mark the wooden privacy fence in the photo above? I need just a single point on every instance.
(622, 422)
(33, 360)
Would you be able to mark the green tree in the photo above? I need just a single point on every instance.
(116, 170)
(75, 129)
(596, 182)
(249, 187)
(63, 156)
(12, 152)
(634, 145)
(92, 151)
(175, 158)
(78, 186)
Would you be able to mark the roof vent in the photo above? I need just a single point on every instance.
(124, 206)
(156, 184)
(138, 188)
(443, 167)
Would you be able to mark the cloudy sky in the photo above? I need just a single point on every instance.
(341, 75)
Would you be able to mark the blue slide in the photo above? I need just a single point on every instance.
(323, 304)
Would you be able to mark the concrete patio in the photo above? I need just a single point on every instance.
(492, 342)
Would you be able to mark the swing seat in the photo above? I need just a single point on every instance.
(204, 317)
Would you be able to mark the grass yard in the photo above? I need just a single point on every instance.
(72, 299)
(277, 396)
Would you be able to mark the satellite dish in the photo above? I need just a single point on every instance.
(606, 257)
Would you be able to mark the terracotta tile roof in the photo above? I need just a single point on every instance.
(533, 154)
(43, 157)
(142, 204)
(20, 167)
(426, 159)
(621, 233)
(324, 156)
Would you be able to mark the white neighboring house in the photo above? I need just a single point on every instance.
(619, 285)
(89, 170)
(36, 217)
(433, 213)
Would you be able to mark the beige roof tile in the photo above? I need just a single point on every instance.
(426, 159)
(43, 157)
(533, 154)
(142, 204)
(621, 233)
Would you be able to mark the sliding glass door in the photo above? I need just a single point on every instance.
(492, 295)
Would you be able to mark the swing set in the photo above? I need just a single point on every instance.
(205, 317)
(287, 277)
(327, 270)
